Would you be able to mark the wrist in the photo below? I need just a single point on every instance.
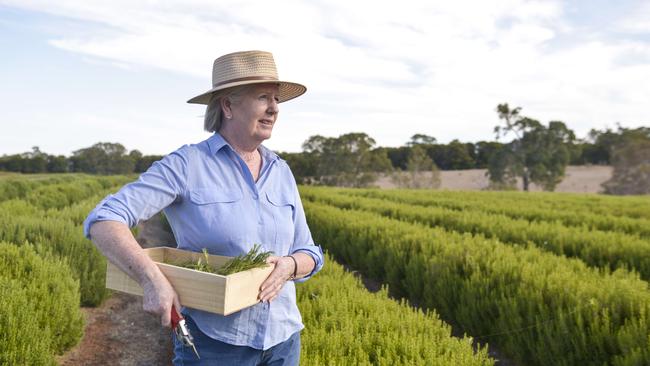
(293, 275)
(153, 278)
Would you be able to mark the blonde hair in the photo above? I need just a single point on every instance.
(213, 117)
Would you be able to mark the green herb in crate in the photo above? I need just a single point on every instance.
(255, 258)
(202, 264)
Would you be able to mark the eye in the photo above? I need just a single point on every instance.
(277, 100)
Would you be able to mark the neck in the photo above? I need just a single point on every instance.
(246, 148)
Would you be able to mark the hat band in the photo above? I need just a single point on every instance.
(245, 79)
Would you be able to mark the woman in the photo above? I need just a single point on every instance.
(224, 194)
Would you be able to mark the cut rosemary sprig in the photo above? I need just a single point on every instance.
(253, 259)
(202, 264)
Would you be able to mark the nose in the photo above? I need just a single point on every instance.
(273, 107)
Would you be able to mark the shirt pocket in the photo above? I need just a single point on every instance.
(282, 206)
(216, 219)
(207, 196)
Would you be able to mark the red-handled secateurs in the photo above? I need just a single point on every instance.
(180, 328)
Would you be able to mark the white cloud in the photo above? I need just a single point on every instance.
(390, 69)
(638, 20)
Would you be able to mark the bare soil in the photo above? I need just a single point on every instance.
(578, 179)
(119, 332)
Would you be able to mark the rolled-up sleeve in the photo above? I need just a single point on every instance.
(303, 241)
(155, 189)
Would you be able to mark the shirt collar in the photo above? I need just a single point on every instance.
(216, 142)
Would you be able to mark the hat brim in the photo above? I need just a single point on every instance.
(287, 91)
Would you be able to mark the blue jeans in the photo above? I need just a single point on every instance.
(215, 352)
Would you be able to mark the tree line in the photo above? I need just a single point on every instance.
(595, 149)
(114, 158)
(537, 153)
(101, 158)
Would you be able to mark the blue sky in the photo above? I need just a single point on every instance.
(79, 72)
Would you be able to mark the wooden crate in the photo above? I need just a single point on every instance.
(199, 290)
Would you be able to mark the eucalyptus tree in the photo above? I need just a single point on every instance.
(538, 153)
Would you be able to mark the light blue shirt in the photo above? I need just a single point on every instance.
(211, 201)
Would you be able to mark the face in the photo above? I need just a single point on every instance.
(254, 115)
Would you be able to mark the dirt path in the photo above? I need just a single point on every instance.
(119, 332)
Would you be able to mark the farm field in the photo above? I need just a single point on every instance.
(49, 271)
(516, 270)
(547, 279)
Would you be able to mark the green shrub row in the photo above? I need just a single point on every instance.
(59, 232)
(39, 307)
(514, 209)
(596, 248)
(78, 211)
(347, 325)
(625, 206)
(538, 308)
(60, 237)
(17, 186)
(64, 194)
(62, 185)
(50, 268)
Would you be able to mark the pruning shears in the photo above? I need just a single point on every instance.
(182, 333)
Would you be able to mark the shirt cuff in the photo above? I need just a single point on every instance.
(316, 253)
(101, 214)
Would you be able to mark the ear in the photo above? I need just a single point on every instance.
(226, 107)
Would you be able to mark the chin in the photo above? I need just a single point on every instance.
(261, 136)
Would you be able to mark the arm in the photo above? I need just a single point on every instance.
(108, 227)
(284, 267)
(115, 241)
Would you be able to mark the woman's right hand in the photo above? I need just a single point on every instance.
(159, 295)
(116, 242)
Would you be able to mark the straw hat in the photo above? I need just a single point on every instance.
(247, 67)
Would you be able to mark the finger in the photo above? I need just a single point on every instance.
(268, 283)
(269, 297)
(272, 259)
(266, 294)
(271, 292)
(166, 317)
(273, 278)
(177, 303)
(275, 295)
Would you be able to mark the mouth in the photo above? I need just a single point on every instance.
(266, 122)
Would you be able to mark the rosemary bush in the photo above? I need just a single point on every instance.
(39, 302)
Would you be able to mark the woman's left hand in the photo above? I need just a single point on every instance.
(276, 280)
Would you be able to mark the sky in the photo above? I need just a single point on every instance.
(74, 73)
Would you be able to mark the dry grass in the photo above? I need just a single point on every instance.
(578, 179)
